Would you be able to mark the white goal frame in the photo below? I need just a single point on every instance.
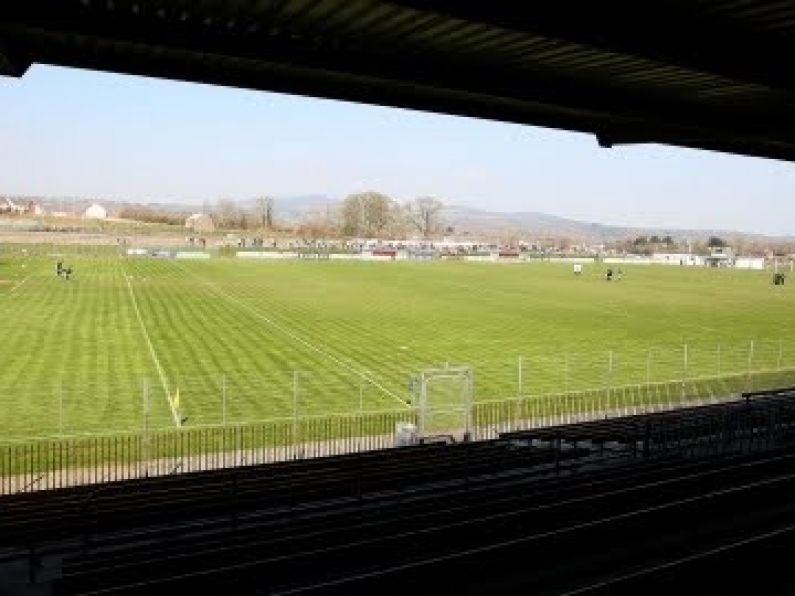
(463, 408)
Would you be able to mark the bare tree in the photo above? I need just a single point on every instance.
(228, 214)
(398, 225)
(312, 226)
(366, 214)
(318, 222)
(425, 214)
(265, 209)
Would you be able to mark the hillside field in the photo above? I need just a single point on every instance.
(263, 340)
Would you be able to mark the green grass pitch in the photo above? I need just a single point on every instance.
(334, 337)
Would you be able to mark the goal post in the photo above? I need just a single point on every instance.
(445, 402)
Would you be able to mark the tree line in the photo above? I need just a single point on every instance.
(376, 215)
(364, 215)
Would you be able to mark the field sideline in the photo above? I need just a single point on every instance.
(345, 336)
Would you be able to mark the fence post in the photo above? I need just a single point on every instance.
(361, 395)
(609, 377)
(648, 377)
(684, 374)
(780, 353)
(519, 379)
(470, 399)
(750, 356)
(295, 414)
(223, 400)
(517, 416)
(423, 394)
(60, 409)
(145, 437)
(750, 364)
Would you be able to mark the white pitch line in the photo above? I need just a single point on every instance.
(18, 285)
(152, 352)
(257, 313)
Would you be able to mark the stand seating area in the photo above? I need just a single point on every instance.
(608, 507)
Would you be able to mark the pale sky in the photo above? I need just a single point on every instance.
(67, 132)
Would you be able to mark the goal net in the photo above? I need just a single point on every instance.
(445, 401)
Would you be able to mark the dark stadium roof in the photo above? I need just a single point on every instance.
(714, 74)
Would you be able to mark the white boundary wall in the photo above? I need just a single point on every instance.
(628, 261)
(660, 259)
(244, 254)
(345, 257)
(583, 260)
(192, 255)
(679, 260)
(757, 263)
(368, 256)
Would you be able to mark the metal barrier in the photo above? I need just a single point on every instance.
(60, 462)
(494, 417)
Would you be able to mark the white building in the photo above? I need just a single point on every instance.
(9, 206)
(757, 263)
(675, 258)
(33, 208)
(96, 211)
(720, 256)
(200, 222)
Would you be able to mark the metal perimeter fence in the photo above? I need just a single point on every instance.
(67, 404)
(51, 463)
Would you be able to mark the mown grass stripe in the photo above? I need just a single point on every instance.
(295, 337)
(152, 353)
(386, 320)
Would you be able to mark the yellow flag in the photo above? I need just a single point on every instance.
(175, 400)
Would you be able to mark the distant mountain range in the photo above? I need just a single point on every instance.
(543, 224)
(462, 219)
(480, 221)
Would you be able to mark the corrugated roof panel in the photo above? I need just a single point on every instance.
(583, 69)
(761, 15)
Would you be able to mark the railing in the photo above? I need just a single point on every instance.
(494, 417)
(60, 462)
